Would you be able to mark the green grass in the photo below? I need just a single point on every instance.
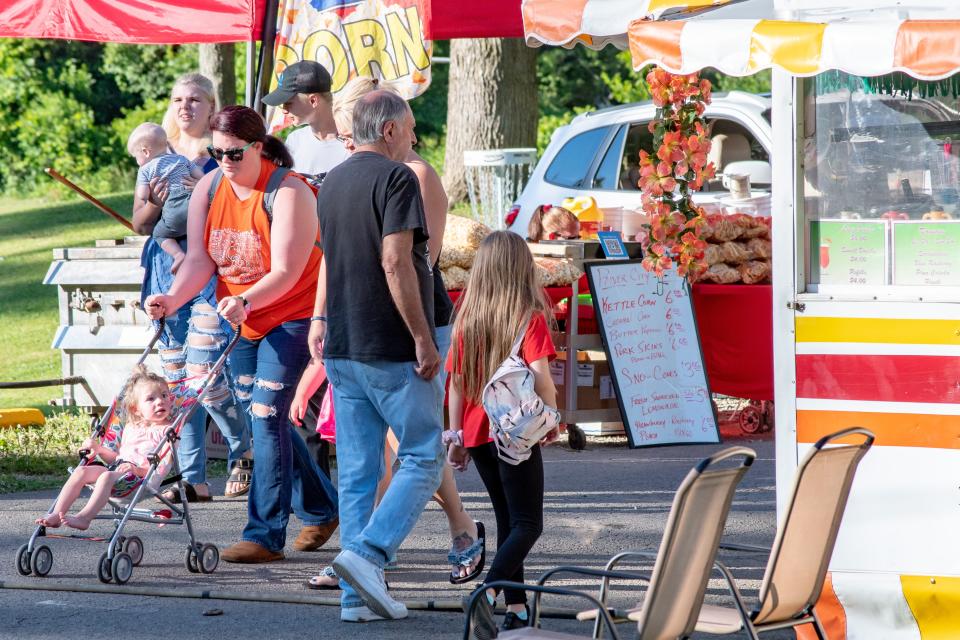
(35, 457)
(29, 231)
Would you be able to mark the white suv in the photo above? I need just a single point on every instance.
(598, 154)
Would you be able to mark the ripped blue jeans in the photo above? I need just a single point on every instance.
(286, 478)
(192, 340)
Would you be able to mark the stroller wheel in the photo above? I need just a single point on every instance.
(23, 561)
(122, 567)
(190, 560)
(133, 546)
(209, 558)
(42, 560)
(103, 569)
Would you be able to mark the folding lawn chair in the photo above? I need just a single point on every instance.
(801, 550)
(802, 547)
(683, 563)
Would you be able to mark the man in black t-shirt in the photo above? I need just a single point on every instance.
(379, 348)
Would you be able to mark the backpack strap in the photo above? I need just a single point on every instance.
(217, 179)
(519, 341)
(273, 186)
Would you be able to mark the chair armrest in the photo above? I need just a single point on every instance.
(605, 574)
(538, 589)
(735, 592)
(749, 548)
(597, 573)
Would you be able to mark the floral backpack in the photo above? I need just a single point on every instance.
(518, 416)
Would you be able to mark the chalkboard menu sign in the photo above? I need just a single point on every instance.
(651, 340)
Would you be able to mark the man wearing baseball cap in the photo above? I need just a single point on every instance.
(304, 94)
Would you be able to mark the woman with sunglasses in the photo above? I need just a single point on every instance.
(187, 125)
(266, 266)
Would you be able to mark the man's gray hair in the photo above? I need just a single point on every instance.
(373, 111)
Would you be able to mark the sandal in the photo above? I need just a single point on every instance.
(173, 495)
(468, 556)
(328, 572)
(242, 474)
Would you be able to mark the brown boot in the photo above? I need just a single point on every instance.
(313, 537)
(249, 553)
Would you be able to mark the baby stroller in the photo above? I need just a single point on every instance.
(125, 552)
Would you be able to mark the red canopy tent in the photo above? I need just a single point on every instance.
(134, 21)
(446, 19)
(181, 21)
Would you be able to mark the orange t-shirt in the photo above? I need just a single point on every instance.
(238, 241)
(537, 343)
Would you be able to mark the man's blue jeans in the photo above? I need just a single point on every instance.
(195, 322)
(285, 476)
(368, 396)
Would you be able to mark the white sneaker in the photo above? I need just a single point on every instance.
(358, 614)
(367, 579)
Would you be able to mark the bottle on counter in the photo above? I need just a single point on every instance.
(588, 213)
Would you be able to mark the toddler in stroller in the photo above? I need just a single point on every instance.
(125, 462)
(148, 411)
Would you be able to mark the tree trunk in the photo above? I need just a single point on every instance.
(491, 102)
(216, 62)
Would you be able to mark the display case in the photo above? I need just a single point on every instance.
(880, 189)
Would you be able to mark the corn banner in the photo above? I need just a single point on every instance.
(378, 38)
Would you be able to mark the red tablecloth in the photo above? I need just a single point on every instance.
(736, 335)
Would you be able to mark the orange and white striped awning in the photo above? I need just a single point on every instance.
(596, 23)
(924, 49)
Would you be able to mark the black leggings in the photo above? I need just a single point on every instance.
(517, 496)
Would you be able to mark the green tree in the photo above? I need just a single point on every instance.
(143, 73)
(71, 105)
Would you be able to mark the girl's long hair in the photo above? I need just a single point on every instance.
(140, 375)
(502, 293)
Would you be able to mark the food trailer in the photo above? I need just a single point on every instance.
(866, 272)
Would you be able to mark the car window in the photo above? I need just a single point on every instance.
(569, 167)
(638, 137)
(608, 173)
(732, 142)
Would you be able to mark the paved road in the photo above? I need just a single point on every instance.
(599, 501)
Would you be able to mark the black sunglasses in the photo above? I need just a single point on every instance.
(234, 155)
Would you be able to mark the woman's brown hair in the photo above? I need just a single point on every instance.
(502, 293)
(245, 123)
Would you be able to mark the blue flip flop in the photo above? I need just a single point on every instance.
(465, 557)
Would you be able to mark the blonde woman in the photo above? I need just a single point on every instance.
(187, 125)
(187, 121)
(467, 553)
(502, 301)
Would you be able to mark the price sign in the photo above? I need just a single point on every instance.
(650, 336)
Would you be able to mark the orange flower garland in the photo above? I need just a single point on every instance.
(677, 168)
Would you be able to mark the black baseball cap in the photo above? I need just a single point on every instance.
(306, 76)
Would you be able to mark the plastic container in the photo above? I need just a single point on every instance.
(756, 205)
(612, 219)
(588, 213)
(632, 224)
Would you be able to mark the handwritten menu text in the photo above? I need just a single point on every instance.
(654, 353)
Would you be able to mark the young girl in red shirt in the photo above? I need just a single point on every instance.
(503, 298)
